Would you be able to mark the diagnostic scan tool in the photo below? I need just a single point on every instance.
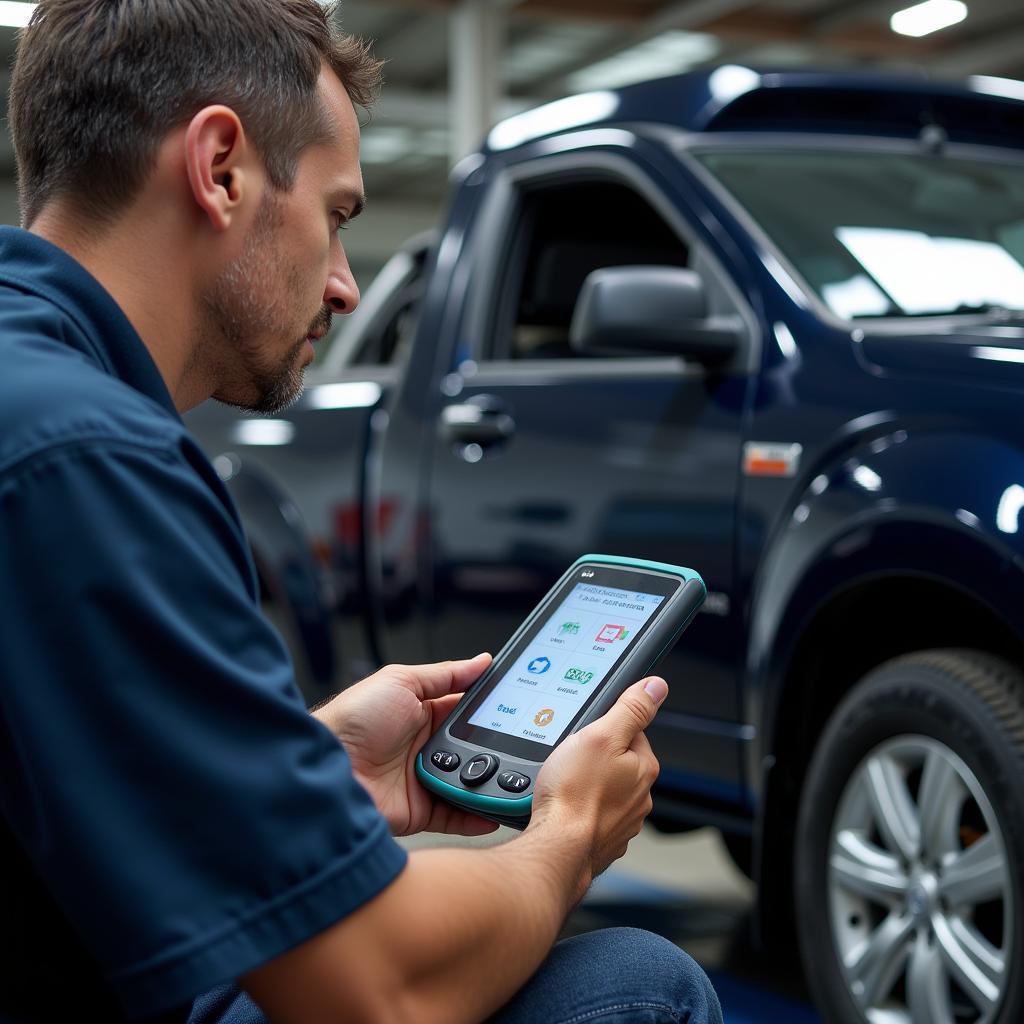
(603, 626)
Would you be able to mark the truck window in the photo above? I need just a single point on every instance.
(379, 333)
(391, 342)
(888, 234)
(565, 232)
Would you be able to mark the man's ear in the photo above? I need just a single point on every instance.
(218, 155)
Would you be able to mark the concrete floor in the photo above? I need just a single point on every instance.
(686, 888)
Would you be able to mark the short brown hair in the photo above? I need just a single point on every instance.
(98, 84)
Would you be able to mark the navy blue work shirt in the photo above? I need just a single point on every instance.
(170, 815)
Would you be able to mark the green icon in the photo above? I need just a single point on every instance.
(578, 675)
(570, 629)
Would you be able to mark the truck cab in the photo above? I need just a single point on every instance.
(770, 325)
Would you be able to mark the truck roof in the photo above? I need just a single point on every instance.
(982, 110)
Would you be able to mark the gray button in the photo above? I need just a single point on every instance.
(479, 770)
(444, 760)
(513, 781)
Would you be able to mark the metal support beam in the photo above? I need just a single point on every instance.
(426, 109)
(474, 68)
(997, 55)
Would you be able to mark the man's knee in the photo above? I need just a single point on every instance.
(615, 974)
(661, 969)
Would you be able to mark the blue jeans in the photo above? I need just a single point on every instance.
(613, 976)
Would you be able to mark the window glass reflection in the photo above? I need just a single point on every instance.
(888, 233)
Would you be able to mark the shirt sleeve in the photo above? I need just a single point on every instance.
(156, 761)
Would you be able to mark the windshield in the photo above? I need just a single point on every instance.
(888, 234)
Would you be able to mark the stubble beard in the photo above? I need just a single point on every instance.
(241, 318)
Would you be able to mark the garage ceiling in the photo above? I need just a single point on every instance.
(551, 48)
(555, 47)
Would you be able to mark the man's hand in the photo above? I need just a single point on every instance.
(460, 930)
(598, 782)
(383, 723)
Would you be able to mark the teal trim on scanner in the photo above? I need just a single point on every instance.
(496, 805)
(640, 563)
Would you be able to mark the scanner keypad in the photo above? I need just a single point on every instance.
(513, 782)
(479, 769)
(445, 760)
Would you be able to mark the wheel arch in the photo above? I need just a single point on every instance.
(871, 606)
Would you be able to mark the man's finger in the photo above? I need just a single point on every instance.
(442, 707)
(463, 823)
(635, 709)
(445, 677)
(641, 746)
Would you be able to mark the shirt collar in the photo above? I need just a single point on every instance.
(31, 264)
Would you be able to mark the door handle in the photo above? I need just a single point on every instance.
(470, 423)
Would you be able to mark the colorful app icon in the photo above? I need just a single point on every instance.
(578, 675)
(569, 629)
(610, 633)
(544, 717)
(539, 666)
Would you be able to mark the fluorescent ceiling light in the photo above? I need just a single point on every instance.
(15, 14)
(671, 53)
(923, 19)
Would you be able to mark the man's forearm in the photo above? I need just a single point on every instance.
(452, 939)
(500, 910)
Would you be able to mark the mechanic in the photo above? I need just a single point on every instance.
(173, 822)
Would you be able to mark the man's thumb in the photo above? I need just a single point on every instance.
(636, 708)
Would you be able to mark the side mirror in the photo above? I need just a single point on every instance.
(651, 309)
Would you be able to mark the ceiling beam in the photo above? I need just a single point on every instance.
(613, 11)
(1002, 55)
(429, 109)
(866, 38)
(687, 16)
(637, 12)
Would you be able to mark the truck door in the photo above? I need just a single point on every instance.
(541, 454)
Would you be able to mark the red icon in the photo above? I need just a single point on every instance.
(610, 633)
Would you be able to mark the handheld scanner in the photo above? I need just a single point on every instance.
(604, 625)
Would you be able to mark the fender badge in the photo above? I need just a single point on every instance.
(761, 458)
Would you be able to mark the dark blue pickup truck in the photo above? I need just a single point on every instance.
(770, 326)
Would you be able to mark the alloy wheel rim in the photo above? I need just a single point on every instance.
(919, 888)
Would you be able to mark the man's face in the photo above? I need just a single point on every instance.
(269, 306)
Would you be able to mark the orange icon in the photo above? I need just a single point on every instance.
(544, 717)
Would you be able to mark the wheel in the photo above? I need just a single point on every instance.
(910, 846)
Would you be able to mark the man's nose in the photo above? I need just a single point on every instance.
(342, 292)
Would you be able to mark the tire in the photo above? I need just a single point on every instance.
(910, 846)
(741, 852)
